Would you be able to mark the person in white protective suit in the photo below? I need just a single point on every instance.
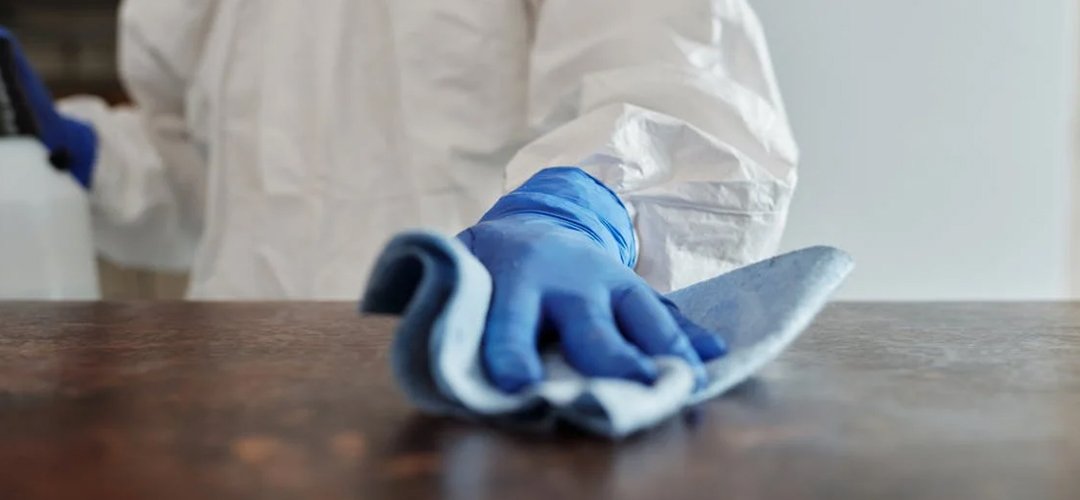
(274, 146)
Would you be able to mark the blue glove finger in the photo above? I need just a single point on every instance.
(709, 345)
(648, 323)
(509, 344)
(591, 342)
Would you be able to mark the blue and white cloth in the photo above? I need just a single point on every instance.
(442, 293)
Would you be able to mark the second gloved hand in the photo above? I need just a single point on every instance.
(71, 143)
(560, 250)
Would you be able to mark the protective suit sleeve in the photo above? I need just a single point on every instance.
(674, 105)
(149, 175)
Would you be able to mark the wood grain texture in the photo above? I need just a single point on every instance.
(187, 400)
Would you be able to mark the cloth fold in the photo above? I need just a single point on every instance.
(443, 292)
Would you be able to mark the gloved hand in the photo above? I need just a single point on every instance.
(561, 251)
(72, 144)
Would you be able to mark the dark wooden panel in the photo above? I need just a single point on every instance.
(70, 43)
(180, 400)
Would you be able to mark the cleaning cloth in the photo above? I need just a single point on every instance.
(442, 293)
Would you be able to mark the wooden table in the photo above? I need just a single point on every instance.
(177, 400)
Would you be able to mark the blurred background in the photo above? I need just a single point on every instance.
(937, 140)
(937, 136)
(72, 43)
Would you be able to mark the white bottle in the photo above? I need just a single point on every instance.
(46, 243)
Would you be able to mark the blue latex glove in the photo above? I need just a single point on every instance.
(72, 144)
(561, 251)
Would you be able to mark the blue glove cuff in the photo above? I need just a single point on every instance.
(77, 151)
(572, 198)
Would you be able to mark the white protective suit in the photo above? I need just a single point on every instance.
(275, 145)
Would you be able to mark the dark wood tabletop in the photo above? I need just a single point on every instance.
(188, 400)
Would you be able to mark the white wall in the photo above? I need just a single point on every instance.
(935, 138)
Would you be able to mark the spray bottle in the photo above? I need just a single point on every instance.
(46, 245)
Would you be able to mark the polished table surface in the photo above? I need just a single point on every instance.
(182, 400)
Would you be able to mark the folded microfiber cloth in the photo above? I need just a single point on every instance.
(443, 293)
